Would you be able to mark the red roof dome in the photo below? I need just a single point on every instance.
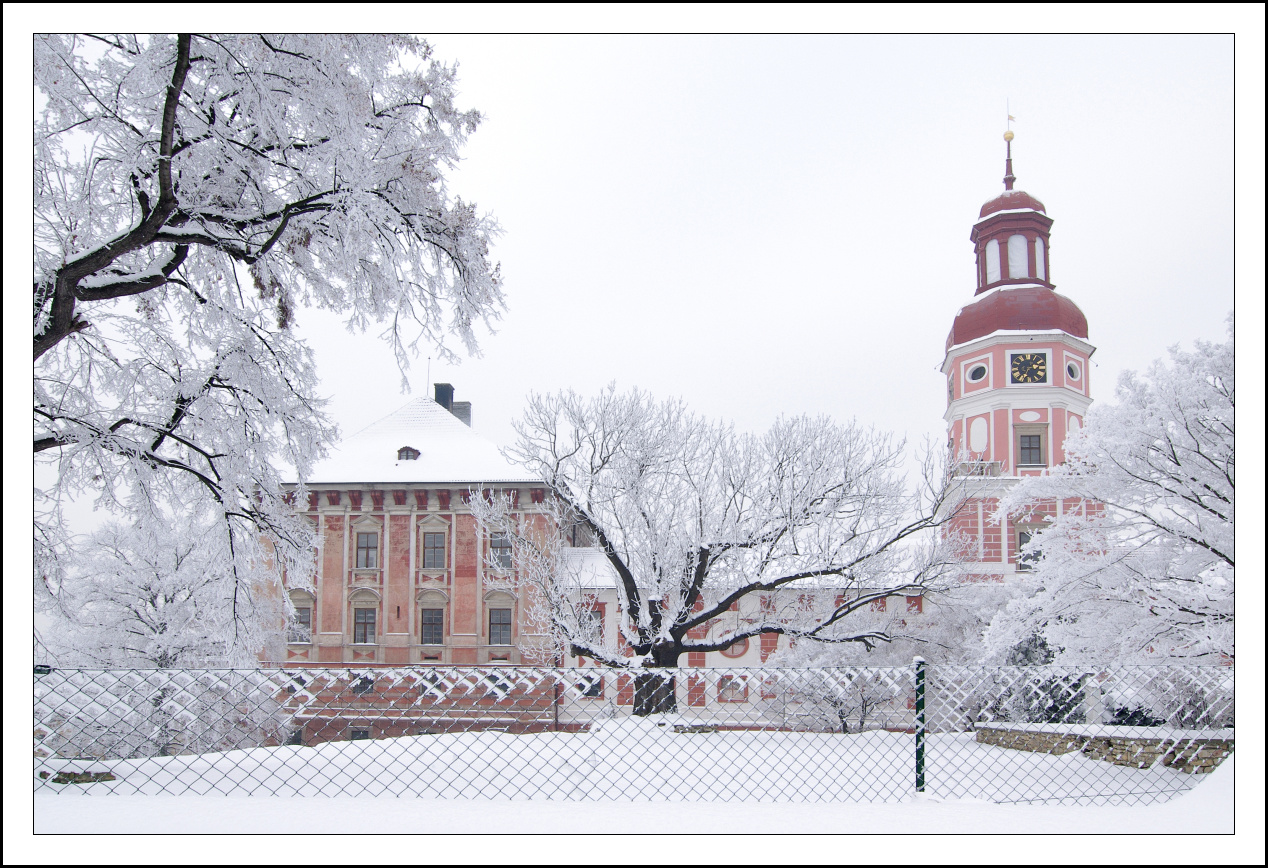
(1023, 308)
(1011, 200)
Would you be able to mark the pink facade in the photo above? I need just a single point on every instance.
(403, 571)
(382, 574)
(1017, 367)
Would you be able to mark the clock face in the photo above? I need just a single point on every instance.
(1030, 368)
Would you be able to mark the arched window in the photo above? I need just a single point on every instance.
(992, 261)
(1039, 268)
(1017, 265)
(365, 616)
(300, 628)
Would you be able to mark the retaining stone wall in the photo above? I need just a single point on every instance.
(1193, 755)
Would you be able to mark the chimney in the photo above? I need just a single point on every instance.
(460, 409)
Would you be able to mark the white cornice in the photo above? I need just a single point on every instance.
(1011, 336)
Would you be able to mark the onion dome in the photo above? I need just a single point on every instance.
(1011, 200)
(1021, 308)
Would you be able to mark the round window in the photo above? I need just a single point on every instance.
(1072, 370)
(977, 373)
(736, 650)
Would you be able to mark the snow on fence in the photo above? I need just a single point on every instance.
(1121, 735)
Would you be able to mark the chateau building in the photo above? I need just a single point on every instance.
(1017, 374)
(404, 575)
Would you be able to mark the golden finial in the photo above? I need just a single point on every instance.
(1008, 136)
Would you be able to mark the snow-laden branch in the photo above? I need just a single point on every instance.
(192, 193)
(691, 521)
(1139, 563)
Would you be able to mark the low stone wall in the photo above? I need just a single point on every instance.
(1196, 755)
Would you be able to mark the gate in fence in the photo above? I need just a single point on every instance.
(1122, 735)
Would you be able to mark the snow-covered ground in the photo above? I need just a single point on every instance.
(637, 758)
(1206, 809)
(714, 782)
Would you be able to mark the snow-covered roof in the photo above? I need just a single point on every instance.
(590, 567)
(449, 451)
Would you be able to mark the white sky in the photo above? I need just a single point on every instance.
(770, 225)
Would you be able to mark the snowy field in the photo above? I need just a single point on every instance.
(732, 782)
(636, 758)
(1206, 809)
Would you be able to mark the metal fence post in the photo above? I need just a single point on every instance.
(920, 723)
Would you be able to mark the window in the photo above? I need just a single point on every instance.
(590, 686)
(992, 261)
(433, 551)
(296, 737)
(591, 623)
(731, 688)
(1031, 449)
(407, 453)
(367, 551)
(1025, 562)
(499, 626)
(736, 650)
(301, 628)
(500, 550)
(363, 626)
(358, 734)
(433, 627)
(1017, 264)
(363, 685)
(1039, 268)
(498, 685)
(976, 373)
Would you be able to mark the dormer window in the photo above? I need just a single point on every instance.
(407, 453)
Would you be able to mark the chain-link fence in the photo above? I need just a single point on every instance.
(1121, 735)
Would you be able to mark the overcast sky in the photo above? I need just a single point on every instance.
(768, 225)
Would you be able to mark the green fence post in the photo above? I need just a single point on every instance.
(920, 724)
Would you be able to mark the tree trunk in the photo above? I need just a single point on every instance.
(654, 691)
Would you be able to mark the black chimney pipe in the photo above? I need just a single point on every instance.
(444, 396)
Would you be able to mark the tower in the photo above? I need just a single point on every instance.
(1016, 365)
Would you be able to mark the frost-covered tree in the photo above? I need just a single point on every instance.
(948, 629)
(797, 530)
(192, 193)
(159, 595)
(1149, 572)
